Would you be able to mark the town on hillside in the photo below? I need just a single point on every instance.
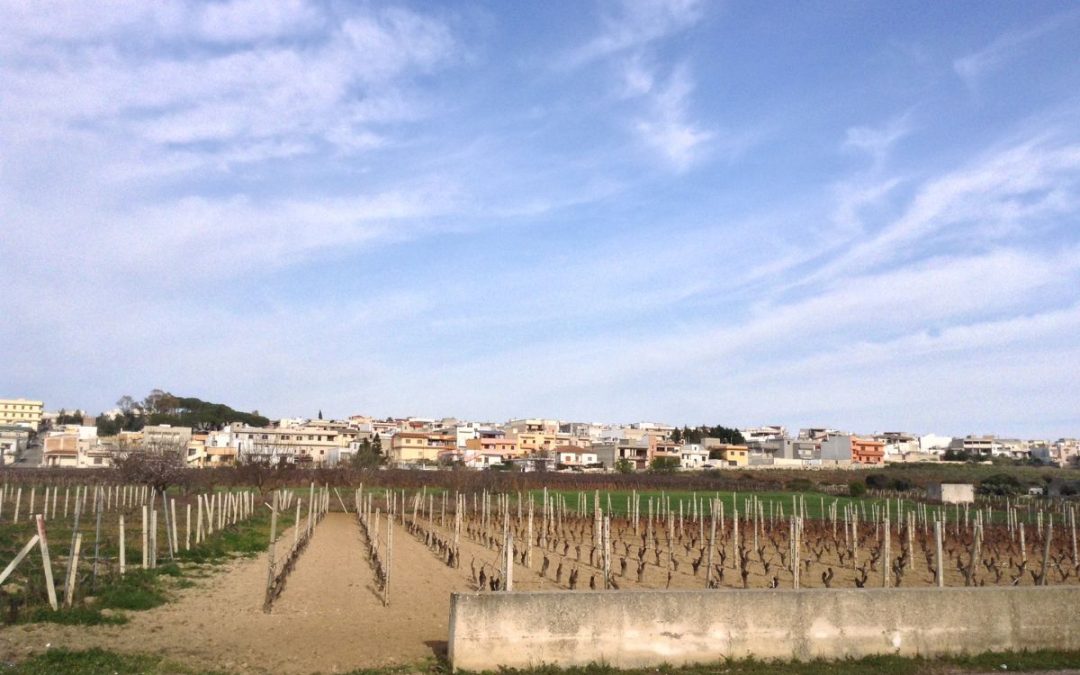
(213, 435)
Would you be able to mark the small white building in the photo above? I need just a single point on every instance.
(693, 456)
(951, 493)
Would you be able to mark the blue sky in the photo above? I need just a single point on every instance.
(864, 215)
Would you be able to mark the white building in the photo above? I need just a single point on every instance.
(934, 444)
(693, 456)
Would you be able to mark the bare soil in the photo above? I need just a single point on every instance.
(329, 618)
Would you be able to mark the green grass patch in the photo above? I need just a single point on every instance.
(136, 590)
(97, 662)
(884, 665)
(81, 616)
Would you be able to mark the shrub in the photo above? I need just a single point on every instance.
(800, 485)
(856, 488)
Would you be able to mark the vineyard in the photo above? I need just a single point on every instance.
(361, 576)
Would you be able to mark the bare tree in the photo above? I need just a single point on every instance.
(158, 465)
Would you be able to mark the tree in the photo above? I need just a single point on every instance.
(368, 454)
(624, 465)
(664, 464)
(74, 417)
(107, 426)
(676, 435)
(126, 404)
(1001, 485)
(158, 466)
(320, 414)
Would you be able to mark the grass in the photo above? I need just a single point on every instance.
(817, 503)
(885, 665)
(102, 662)
(137, 590)
(97, 662)
(81, 616)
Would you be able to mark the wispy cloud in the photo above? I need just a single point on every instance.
(628, 25)
(243, 81)
(629, 33)
(974, 66)
(878, 142)
(1020, 185)
(665, 125)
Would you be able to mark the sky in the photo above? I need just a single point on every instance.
(863, 215)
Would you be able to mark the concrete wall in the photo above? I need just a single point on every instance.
(951, 493)
(647, 628)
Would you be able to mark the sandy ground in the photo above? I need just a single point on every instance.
(327, 620)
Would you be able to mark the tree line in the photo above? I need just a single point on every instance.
(162, 407)
(698, 434)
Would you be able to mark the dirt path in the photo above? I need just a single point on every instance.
(327, 620)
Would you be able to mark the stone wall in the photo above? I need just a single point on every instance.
(647, 628)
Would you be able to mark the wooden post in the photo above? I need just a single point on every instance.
(18, 501)
(69, 583)
(123, 553)
(607, 550)
(99, 498)
(18, 559)
(886, 554)
(1046, 548)
(169, 525)
(712, 545)
(46, 563)
(939, 557)
(153, 537)
(175, 540)
(145, 538)
(296, 528)
(389, 556)
(270, 557)
(187, 529)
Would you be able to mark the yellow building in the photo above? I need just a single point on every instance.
(735, 455)
(408, 447)
(21, 412)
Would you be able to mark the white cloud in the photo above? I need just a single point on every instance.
(974, 66)
(666, 126)
(1018, 186)
(633, 24)
(249, 20)
(878, 142)
(342, 86)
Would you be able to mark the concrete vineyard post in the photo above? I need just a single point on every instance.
(46, 563)
(145, 538)
(69, 583)
(123, 552)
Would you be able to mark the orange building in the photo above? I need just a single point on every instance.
(867, 451)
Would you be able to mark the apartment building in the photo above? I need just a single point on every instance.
(867, 451)
(692, 456)
(13, 441)
(573, 457)
(610, 452)
(413, 447)
(165, 437)
(733, 456)
(301, 445)
(503, 446)
(21, 412)
(76, 447)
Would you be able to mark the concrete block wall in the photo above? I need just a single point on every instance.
(647, 628)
